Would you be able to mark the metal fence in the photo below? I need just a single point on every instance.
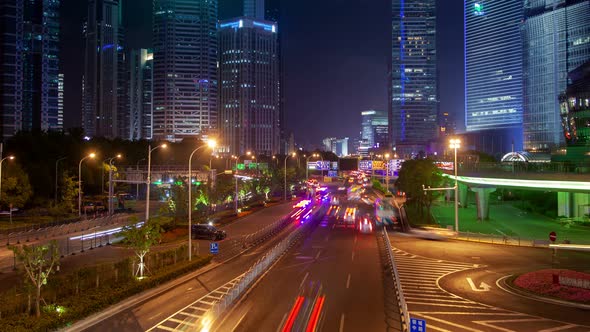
(253, 274)
(503, 239)
(47, 232)
(404, 313)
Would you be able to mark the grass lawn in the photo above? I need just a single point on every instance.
(507, 220)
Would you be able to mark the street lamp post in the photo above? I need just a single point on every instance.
(92, 155)
(287, 157)
(110, 200)
(1, 161)
(211, 144)
(137, 184)
(455, 144)
(149, 179)
(56, 176)
(387, 172)
(237, 192)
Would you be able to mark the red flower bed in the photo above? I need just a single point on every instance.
(541, 282)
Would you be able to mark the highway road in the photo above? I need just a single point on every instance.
(147, 314)
(457, 286)
(346, 264)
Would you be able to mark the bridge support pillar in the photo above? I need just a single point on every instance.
(482, 196)
(564, 204)
(463, 189)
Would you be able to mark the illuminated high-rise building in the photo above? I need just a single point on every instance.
(374, 131)
(185, 68)
(413, 82)
(104, 103)
(29, 58)
(556, 40)
(493, 64)
(141, 63)
(249, 86)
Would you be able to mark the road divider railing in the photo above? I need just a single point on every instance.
(404, 313)
(259, 268)
(47, 231)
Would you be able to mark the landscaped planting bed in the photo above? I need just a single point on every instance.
(542, 282)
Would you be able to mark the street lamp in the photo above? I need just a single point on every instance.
(248, 153)
(92, 155)
(149, 179)
(306, 167)
(56, 164)
(102, 171)
(110, 200)
(287, 157)
(11, 158)
(456, 144)
(211, 144)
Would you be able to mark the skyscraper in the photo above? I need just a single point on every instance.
(29, 76)
(413, 90)
(556, 38)
(185, 68)
(104, 111)
(493, 64)
(140, 94)
(254, 9)
(249, 86)
(374, 131)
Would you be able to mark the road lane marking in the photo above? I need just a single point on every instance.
(327, 238)
(304, 278)
(448, 323)
(355, 238)
(348, 282)
(239, 322)
(341, 323)
(353, 256)
(487, 323)
(483, 287)
(559, 328)
(318, 254)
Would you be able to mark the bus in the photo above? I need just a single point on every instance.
(385, 213)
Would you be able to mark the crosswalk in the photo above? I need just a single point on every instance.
(187, 319)
(447, 312)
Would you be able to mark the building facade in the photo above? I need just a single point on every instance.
(104, 111)
(374, 131)
(141, 62)
(556, 40)
(185, 69)
(249, 86)
(29, 56)
(338, 146)
(413, 80)
(493, 64)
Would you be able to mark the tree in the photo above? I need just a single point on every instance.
(69, 192)
(16, 189)
(416, 173)
(141, 238)
(38, 262)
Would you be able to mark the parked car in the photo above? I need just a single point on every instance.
(203, 231)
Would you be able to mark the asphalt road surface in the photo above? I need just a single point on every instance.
(457, 286)
(344, 262)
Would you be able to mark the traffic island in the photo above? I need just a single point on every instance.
(559, 286)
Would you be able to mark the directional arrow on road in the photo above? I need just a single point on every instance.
(483, 287)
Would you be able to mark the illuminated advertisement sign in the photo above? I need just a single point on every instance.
(446, 165)
(378, 165)
(365, 165)
(319, 165)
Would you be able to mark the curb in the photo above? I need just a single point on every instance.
(506, 286)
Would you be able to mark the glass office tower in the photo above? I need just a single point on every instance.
(556, 39)
(413, 81)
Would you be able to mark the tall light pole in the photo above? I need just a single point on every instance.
(110, 200)
(248, 153)
(92, 155)
(455, 144)
(149, 179)
(287, 157)
(137, 184)
(306, 167)
(2, 160)
(56, 176)
(211, 144)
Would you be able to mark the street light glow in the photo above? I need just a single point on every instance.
(164, 145)
(92, 155)
(212, 143)
(455, 143)
(11, 157)
(119, 156)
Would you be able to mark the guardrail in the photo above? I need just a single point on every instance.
(252, 275)
(35, 234)
(405, 315)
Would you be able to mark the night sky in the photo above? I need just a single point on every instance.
(335, 58)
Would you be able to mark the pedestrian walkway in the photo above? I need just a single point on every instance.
(444, 311)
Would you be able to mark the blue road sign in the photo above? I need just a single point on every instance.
(214, 248)
(417, 325)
